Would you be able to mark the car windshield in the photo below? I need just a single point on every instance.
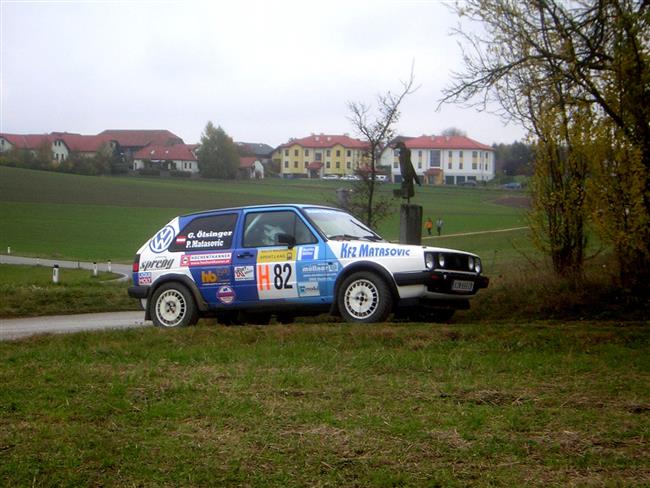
(339, 225)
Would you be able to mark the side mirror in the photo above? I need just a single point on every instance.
(287, 239)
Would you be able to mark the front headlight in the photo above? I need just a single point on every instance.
(428, 260)
(470, 263)
(477, 265)
(441, 260)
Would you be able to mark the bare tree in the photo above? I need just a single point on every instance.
(376, 127)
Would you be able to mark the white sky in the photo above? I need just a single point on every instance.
(265, 71)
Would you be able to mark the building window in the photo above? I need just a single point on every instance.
(295, 164)
(449, 165)
(306, 153)
(327, 165)
(419, 164)
(286, 152)
(338, 165)
(295, 152)
(474, 165)
(338, 153)
(395, 164)
(349, 153)
(460, 165)
(451, 154)
(328, 153)
(305, 164)
(474, 154)
(286, 164)
(434, 159)
(318, 156)
(349, 165)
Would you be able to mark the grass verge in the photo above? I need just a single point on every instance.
(28, 291)
(542, 403)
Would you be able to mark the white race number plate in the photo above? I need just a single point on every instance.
(462, 285)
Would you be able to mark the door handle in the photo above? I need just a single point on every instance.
(245, 255)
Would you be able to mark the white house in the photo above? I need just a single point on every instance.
(450, 160)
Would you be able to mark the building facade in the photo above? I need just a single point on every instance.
(179, 157)
(449, 160)
(320, 155)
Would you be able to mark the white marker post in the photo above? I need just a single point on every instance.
(8, 249)
(55, 274)
(110, 266)
(94, 269)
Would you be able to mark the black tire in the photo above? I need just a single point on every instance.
(172, 305)
(364, 297)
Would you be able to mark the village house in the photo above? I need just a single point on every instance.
(179, 157)
(320, 155)
(452, 160)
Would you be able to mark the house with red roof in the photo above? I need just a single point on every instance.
(451, 160)
(179, 157)
(132, 141)
(250, 167)
(320, 155)
(62, 144)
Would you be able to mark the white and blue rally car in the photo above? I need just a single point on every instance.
(246, 264)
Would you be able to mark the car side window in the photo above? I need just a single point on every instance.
(261, 229)
(206, 234)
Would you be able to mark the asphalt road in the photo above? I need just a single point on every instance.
(11, 329)
(122, 269)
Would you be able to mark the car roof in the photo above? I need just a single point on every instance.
(261, 207)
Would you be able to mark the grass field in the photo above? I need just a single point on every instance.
(29, 291)
(534, 404)
(99, 218)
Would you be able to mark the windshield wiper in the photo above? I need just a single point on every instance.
(343, 237)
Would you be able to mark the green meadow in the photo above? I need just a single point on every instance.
(100, 218)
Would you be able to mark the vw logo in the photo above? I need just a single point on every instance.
(162, 239)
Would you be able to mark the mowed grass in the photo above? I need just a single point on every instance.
(28, 291)
(100, 218)
(534, 404)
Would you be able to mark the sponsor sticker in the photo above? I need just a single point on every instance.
(214, 276)
(209, 259)
(226, 295)
(309, 289)
(144, 278)
(244, 273)
(157, 264)
(161, 241)
(308, 253)
(372, 251)
(276, 255)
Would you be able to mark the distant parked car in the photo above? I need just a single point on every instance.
(289, 260)
(329, 177)
(512, 186)
(382, 178)
(467, 183)
(350, 177)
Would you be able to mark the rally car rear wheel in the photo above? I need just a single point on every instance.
(172, 305)
(364, 297)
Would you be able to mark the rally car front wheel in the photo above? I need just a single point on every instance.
(364, 297)
(172, 305)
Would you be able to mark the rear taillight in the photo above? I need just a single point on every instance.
(136, 263)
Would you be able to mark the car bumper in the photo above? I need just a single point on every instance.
(138, 292)
(447, 283)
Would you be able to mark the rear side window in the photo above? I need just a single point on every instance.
(206, 234)
(262, 229)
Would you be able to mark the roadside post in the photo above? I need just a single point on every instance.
(110, 266)
(8, 249)
(55, 274)
(94, 269)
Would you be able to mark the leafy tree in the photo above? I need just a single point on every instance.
(454, 131)
(593, 53)
(217, 155)
(514, 159)
(376, 129)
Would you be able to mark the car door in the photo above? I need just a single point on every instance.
(269, 264)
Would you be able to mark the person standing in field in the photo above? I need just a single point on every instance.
(439, 224)
(428, 225)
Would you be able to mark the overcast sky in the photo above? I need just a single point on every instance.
(265, 71)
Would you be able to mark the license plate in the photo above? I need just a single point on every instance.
(462, 285)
